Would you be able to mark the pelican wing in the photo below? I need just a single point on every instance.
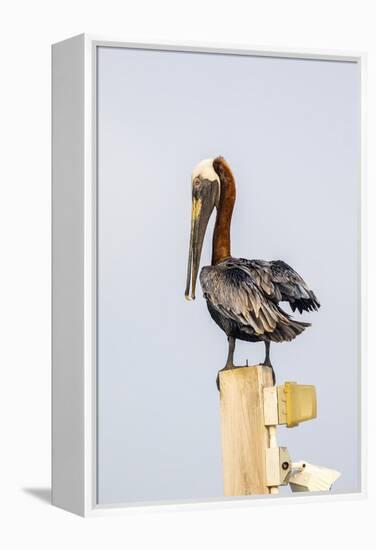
(232, 291)
(293, 288)
(281, 283)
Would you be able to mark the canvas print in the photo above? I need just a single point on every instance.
(249, 165)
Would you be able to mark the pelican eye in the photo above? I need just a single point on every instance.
(197, 182)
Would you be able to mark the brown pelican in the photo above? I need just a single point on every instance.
(242, 295)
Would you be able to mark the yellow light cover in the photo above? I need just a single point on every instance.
(301, 404)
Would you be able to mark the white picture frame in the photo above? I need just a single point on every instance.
(74, 210)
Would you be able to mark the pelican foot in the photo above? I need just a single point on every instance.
(227, 367)
(217, 379)
(268, 364)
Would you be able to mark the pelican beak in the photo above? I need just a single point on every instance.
(204, 198)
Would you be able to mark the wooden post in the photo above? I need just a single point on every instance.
(244, 435)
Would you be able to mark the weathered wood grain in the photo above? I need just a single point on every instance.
(244, 434)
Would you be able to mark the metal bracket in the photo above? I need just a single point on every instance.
(278, 466)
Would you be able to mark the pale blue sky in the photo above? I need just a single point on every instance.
(290, 131)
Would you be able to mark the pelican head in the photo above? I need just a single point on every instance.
(205, 195)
